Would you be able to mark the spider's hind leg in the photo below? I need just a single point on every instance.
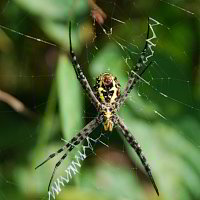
(134, 143)
(83, 134)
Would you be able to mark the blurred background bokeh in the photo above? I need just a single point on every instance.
(41, 100)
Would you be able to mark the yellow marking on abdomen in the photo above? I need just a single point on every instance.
(114, 89)
(101, 94)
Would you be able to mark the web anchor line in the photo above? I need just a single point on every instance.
(30, 37)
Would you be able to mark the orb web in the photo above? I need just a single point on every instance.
(41, 100)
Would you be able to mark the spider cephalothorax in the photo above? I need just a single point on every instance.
(107, 100)
(107, 91)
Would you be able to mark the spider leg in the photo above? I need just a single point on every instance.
(80, 76)
(134, 143)
(56, 166)
(72, 143)
(134, 75)
(54, 154)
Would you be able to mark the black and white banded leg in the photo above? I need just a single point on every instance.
(80, 76)
(133, 142)
(83, 134)
(137, 72)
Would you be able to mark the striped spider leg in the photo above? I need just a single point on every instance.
(137, 72)
(80, 76)
(83, 134)
(135, 145)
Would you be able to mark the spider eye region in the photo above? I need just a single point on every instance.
(107, 80)
(107, 88)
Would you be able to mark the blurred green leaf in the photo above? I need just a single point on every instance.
(53, 9)
(70, 100)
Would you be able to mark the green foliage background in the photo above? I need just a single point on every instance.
(42, 77)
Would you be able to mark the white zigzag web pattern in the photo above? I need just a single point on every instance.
(72, 168)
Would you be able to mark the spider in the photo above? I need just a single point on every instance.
(107, 99)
